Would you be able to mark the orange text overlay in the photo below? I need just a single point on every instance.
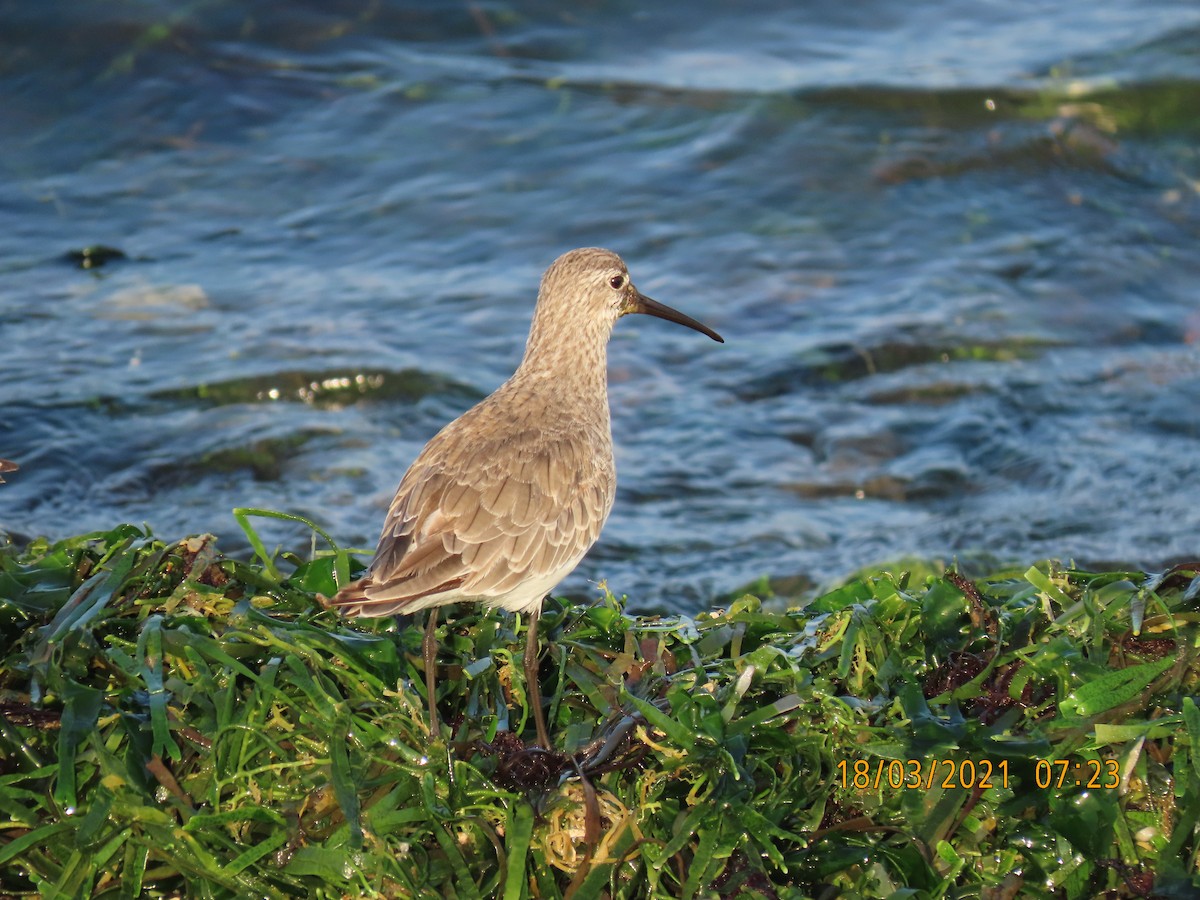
(926, 774)
(922, 774)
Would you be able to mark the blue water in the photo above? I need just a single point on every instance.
(953, 249)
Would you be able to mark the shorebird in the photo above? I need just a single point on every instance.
(505, 501)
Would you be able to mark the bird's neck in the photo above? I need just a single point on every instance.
(569, 364)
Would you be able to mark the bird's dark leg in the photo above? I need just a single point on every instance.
(532, 683)
(429, 652)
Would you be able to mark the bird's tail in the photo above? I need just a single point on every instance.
(351, 599)
(371, 600)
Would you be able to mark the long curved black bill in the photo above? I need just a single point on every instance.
(644, 304)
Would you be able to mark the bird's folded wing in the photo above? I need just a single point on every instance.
(479, 531)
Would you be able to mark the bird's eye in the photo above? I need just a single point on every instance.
(617, 282)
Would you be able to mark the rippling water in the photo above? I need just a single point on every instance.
(953, 249)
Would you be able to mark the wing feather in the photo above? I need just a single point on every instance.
(474, 519)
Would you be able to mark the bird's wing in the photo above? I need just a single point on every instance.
(526, 507)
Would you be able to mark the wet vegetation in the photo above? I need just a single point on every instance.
(319, 389)
(173, 722)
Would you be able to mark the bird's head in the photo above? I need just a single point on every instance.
(594, 284)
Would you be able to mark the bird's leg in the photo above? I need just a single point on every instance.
(429, 652)
(532, 683)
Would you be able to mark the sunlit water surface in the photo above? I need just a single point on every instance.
(953, 250)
